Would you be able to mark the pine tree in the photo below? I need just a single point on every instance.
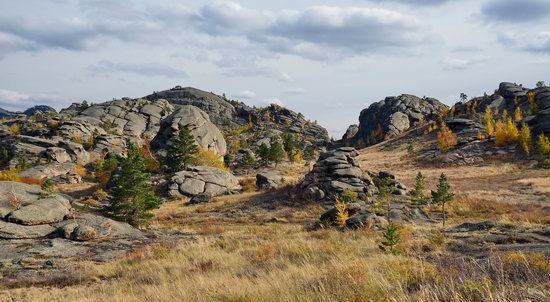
(417, 193)
(248, 161)
(443, 194)
(386, 188)
(525, 140)
(391, 239)
(276, 153)
(181, 150)
(512, 133)
(132, 197)
(263, 153)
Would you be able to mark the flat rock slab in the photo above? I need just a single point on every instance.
(43, 211)
(16, 231)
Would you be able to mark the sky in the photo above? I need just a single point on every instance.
(327, 59)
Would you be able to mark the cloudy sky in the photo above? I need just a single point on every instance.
(328, 59)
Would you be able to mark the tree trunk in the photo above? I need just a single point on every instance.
(443, 216)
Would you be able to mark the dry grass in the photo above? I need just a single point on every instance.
(259, 247)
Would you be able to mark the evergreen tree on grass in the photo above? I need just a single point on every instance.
(417, 193)
(263, 153)
(181, 151)
(443, 195)
(248, 161)
(132, 197)
(391, 239)
(276, 153)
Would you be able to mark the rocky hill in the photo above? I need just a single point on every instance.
(390, 117)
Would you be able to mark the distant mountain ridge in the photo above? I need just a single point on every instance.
(31, 111)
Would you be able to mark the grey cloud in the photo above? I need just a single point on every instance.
(150, 69)
(416, 2)
(534, 43)
(514, 11)
(18, 101)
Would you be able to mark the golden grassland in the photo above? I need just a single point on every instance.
(261, 247)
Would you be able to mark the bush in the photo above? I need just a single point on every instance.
(80, 170)
(9, 175)
(14, 129)
(348, 196)
(152, 164)
(543, 144)
(209, 158)
(446, 139)
(488, 121)
(525, 139)
(518, 115)
(342, 215)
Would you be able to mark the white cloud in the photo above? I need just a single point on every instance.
(295, 91)
(453, 63)
(246, 94)
(273, 101)
(146, 69)
(18, 101)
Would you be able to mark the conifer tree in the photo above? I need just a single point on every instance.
(263, 153)
(391, 239)
(417, 193)
(132, 197)
(181, 151)
(543, 144)
(500, 134)
(248, 161)
(276, 153)
(386, 188)
(443, 195)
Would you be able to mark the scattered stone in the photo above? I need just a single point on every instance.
(267, 180)
(201, 198)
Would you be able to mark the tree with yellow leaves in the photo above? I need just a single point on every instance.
(488, 121)
(446, 138)
(14, 129)
(342, 215)
(525, 139)
(518, 115)
(512, 132)
(544, 144)
(500, 134)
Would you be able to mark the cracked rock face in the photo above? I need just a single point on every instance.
(206, 134)
(203, 180)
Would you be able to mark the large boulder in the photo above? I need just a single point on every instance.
(394, 115)
(336, 171)
(42, 211)
(266, 180)
(202, 179)
(17, 231)
(206, 134)
(88, 227)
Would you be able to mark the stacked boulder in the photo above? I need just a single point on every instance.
(208, 181)
(28, 213)
(541, 121)
(336, 171)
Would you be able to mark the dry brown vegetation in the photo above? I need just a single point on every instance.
(259, 246)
